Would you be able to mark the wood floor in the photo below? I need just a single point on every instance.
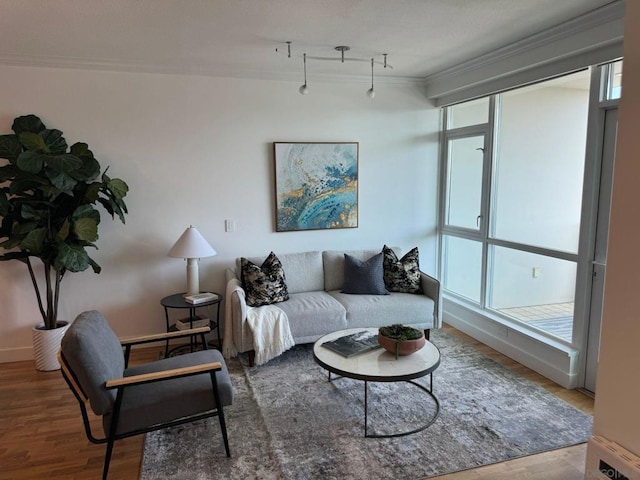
(41, 433)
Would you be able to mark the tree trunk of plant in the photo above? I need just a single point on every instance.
(37, 290)
(50, 320)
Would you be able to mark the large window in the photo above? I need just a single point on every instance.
(512, 202)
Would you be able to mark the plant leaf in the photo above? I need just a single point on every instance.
(10, 147)
(30, 212)
(96, 268)
(118, 187)
(84, 211)
(8, 171)
(24, 228)
(61, 181)
(73, 258)
(33, 141)
(59, 169)
(31, 162)
(120, 208)
(27, 123)
(63, 233)
(22, 256)
(34, 240)
(66, 163)
(90, 167)
(81, 150)
(50, 191)
(54, 141)
(93, 190)
(5, 206)
(89, 170)
(107, 205)
(86, 229)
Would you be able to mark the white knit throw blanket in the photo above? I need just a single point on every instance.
(271, 334)
(269, 326)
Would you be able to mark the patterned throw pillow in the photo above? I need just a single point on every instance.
(363, 277)
(266, 284)
(402, 275)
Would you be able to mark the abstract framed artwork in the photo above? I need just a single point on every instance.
(316, 185)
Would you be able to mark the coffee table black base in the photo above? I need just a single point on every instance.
(430, 422)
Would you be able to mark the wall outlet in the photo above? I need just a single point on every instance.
(229, 225)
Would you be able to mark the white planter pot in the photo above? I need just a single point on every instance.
(46, 344)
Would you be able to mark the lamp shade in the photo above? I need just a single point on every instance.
(191, 244)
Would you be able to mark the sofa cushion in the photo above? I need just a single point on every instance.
(314, 313)
(264, 284)
(333, 262)
(303, 271)
(378, 311)
(364, 277)
(402, 275)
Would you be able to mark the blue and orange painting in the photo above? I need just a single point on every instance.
(316, 186)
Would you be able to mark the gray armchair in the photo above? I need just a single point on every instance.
(143, 398)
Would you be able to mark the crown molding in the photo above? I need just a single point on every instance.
(224, 71)
(597, 29)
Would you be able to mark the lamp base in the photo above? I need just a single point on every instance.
(193, 284)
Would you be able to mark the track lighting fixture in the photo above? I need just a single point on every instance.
(304, 88)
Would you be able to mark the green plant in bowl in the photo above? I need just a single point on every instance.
(400, 339)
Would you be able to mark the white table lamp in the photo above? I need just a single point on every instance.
(192, 246)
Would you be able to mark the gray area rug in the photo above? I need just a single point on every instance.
(289, 422)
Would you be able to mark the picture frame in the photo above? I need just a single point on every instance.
(316, 185)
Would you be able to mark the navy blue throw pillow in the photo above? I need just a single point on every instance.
(364, 277)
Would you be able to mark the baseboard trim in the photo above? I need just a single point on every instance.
(558, 365)
(19, 354)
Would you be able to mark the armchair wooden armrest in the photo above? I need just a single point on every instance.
(127, 343)
(163, 336)
(163, 375)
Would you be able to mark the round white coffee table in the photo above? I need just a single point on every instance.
(381, 366)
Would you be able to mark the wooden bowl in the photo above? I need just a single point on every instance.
(405, 347)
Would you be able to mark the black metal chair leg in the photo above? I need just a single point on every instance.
(107, 458)
(113, 431)
(223, 425)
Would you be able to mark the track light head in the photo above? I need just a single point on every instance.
(303, 88)
(371, 93)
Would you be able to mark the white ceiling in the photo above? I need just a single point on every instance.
(239, 37)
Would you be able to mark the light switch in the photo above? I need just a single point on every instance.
(230, 225)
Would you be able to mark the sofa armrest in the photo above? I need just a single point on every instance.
(431, 288)
(230, 274)
(236, 313)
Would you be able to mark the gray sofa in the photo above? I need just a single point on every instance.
(316, 305)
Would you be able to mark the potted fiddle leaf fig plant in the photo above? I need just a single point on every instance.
(49, 192)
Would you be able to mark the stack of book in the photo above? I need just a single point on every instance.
(198, 321)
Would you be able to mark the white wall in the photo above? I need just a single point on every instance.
(616, 407)
(198, 150)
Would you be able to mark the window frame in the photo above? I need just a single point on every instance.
(484, 234)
